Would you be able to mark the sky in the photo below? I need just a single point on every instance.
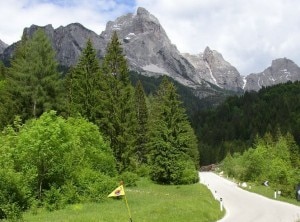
(248, 33)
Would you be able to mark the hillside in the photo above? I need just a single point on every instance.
(234, 125)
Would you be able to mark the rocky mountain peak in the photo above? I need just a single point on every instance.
(143, 14)
(3, 46)
(212, 67)
(67, 42)
(130, 25)
(283, 63)
(49, 30)
(150, 52)
(148, 48)
(215, 58)
(280, 71)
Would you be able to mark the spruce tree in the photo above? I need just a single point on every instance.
(117, 116)
(7, 104)
(142, 123)
(83, 84)
(33, 75)
(172, 142)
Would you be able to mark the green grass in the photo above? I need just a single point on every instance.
(148, 202)
(269, 192)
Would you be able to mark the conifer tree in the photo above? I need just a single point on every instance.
(172, 142)
(34, 76)
(117, 116)
(7, 105)
(83, 84)
(142, 123)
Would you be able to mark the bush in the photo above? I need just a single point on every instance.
(53, 199)
(189, 174)
(129, 178)
(93, 185)
(143, 170)
(270, 159)
(179, 171)
(56, 161)
(14, 195)
(70, 193)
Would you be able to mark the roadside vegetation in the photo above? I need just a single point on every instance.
(276, 160)
(268, 191)
(147, 201)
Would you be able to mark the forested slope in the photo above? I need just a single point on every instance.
(233, 126)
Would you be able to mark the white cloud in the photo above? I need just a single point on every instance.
(93, 14)
(249, 34)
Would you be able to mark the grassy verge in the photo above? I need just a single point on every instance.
(269, 192)
(148, 202)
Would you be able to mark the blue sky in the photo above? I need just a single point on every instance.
(249, 34)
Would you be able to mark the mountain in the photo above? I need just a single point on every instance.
(150, 52)
(212, 67)
(3, 46)
(281, 70)
(148, 48)
(67, 41)
(146, 45)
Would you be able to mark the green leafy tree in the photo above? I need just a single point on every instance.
(52, 152)
(270, 159)
(33, 75)
(54, 161)
(172, 142)
(117, 112)
(83, 84)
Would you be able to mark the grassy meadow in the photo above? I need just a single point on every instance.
(147, 201)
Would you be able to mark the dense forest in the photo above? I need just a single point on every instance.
(72, 138)
(234, 125)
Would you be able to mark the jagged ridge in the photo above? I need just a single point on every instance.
(150, 52)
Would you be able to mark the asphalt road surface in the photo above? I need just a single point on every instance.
(244, 206)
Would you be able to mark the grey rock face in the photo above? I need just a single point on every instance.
(150, 52)
(67, 42)
(281, 70)
(212, 67)
(148, 48)
(2, 46)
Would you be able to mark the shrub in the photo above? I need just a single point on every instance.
(143, 170)
(14, 195)
(55, 161)
(70, 193)
(128, 178)
(53, 199)
(93, 185)
(189, 175)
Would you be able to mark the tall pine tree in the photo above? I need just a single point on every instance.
(118, 120)
(33, 75)
(7, 105)
(172, 142)
(142, 123)
(83, 84)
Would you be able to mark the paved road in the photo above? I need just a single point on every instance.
(244, 206)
